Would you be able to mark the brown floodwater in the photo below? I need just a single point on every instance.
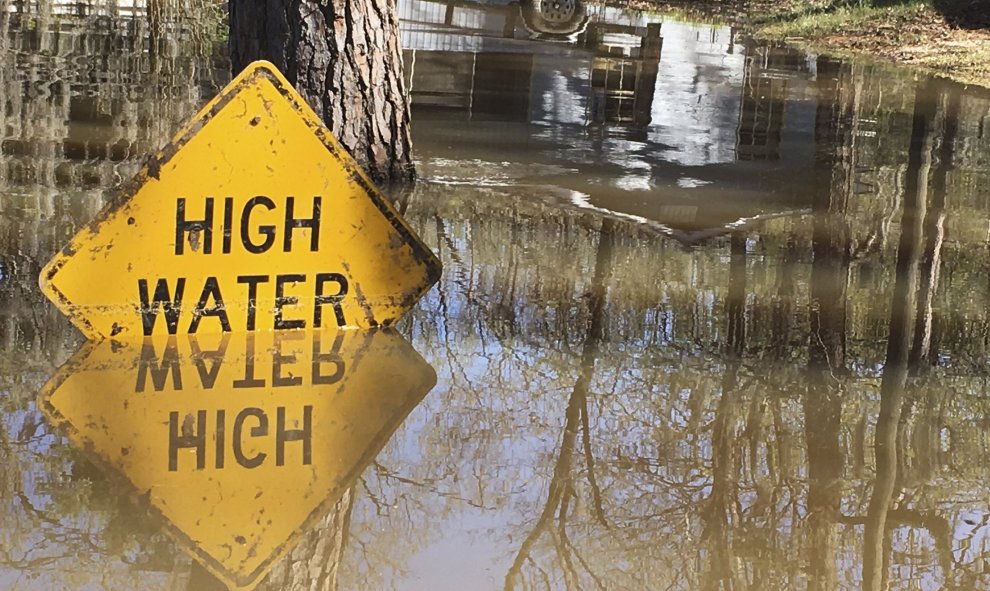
(713, 315)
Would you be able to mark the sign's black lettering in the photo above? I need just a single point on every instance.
(267, 231)
(303, 435)
(211, 289)
(252, 296)
(160, 367)
(313, 223)
(282, 300)
(323, 298)
(200, 231)
(185, 438)
(255, 238)
(172, 305)
(327, 289)
(259, 430)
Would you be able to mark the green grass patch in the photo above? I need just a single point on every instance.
(945, 37)
(817, 21)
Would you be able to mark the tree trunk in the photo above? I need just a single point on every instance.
(343, 56)
(312, 565)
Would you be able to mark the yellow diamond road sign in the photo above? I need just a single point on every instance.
(241, 442)
(252, 219)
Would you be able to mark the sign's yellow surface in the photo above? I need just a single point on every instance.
(241, 441)
(252, 219)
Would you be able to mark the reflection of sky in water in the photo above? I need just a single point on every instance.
(698, 93)
(686, 182)
(559, 91)
(631, 182)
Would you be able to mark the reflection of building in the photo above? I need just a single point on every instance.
(480, 58)
(623, 85)
(479, 83)
(764, 97)
(689, 131)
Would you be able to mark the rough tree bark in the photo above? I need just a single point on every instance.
(343, 56)
(313, 564)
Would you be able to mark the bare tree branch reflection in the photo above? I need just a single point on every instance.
(561, 490)
(827, 345)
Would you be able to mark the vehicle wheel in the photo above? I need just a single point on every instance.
(554, 17)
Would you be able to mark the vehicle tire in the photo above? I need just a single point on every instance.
(554, 17)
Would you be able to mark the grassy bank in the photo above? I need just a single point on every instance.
(950, 38)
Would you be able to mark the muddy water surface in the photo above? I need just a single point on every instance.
(713, 316)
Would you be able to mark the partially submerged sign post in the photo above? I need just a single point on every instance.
(252, 219)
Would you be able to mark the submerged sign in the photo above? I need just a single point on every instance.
(241, 442)
(252, 219)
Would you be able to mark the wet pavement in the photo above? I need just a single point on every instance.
(713, 316)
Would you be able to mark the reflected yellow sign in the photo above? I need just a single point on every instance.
(252, 219)
(240, 442)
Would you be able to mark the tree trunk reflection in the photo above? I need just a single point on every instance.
(721, 510)
(822, 404)
(895, 372)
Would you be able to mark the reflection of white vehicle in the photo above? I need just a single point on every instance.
(554, 19)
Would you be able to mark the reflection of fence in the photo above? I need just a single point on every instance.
(112, 8)
(165, 23)
(764, 97)
(761, 117)
(623, 87)
(456, 25)
(131, 8)
(92, 98)
(83, 100)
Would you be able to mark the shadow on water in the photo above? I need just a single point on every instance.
(713, 316)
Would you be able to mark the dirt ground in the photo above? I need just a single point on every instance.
(951, 43)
